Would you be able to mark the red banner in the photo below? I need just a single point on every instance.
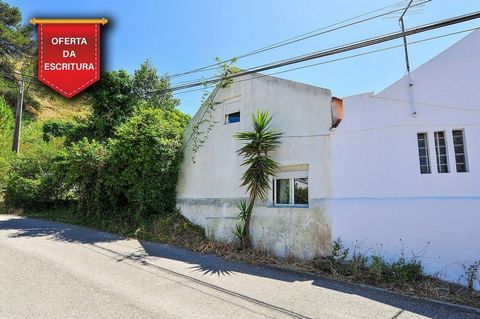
(68, 56)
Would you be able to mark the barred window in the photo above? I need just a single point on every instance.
(441, 152)
(459, 147)
(422, 140)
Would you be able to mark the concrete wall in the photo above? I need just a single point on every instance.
(380, 201)
(209, 188)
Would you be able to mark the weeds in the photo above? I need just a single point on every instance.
(339, 252)
(373, 268)
(472, 274)
(377, 267)
(358, 263)
(405, 271)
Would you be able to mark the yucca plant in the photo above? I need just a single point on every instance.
(259, 143)
(239, 230)
(242, 206)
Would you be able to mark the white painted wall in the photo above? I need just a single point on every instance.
(365, 184)
(380, 200)
(209, 188)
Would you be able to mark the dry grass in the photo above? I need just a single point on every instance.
(231, 252)
(55, 106)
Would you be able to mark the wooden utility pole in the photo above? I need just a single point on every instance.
(18, 118)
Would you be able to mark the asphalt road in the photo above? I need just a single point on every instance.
(54, 270)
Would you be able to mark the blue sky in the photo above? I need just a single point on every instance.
(181, 35)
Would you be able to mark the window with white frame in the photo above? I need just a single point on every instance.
(291, 189)
(441, 152)
(459, 148)
(423, 156)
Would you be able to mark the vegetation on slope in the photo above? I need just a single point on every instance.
(107, 158)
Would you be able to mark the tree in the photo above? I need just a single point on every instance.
(259, 143)
(113, 102)
(152, 88)
(15, 38)
(118, 95)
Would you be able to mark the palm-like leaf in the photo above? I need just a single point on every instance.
(258, 144)
(242, 206)
(239, 232)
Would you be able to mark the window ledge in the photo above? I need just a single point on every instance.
(288, 206)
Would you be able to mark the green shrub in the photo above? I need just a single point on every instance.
(35, 179)
(5, 160)
(36, 175)
(400, 271)
(406, 270)
(6, 127)
(6, 117)
(57, 128)
(135, 174)
(80, 130)
(144, 161)
(85, 170)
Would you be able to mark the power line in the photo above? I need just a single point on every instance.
(316, 64)
(332, 51)
(293, 39)
(7, 75)
(30, 79)
(314, 33)
(338, 59)
(297, 38)
(337, 50)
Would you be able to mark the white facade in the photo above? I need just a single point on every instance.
(365, 184)
(209, 188)
(380, 200)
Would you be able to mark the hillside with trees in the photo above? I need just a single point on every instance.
(108, 158)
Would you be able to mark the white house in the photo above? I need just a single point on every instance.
(413, 182)
(398, 173)
(208, 190)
